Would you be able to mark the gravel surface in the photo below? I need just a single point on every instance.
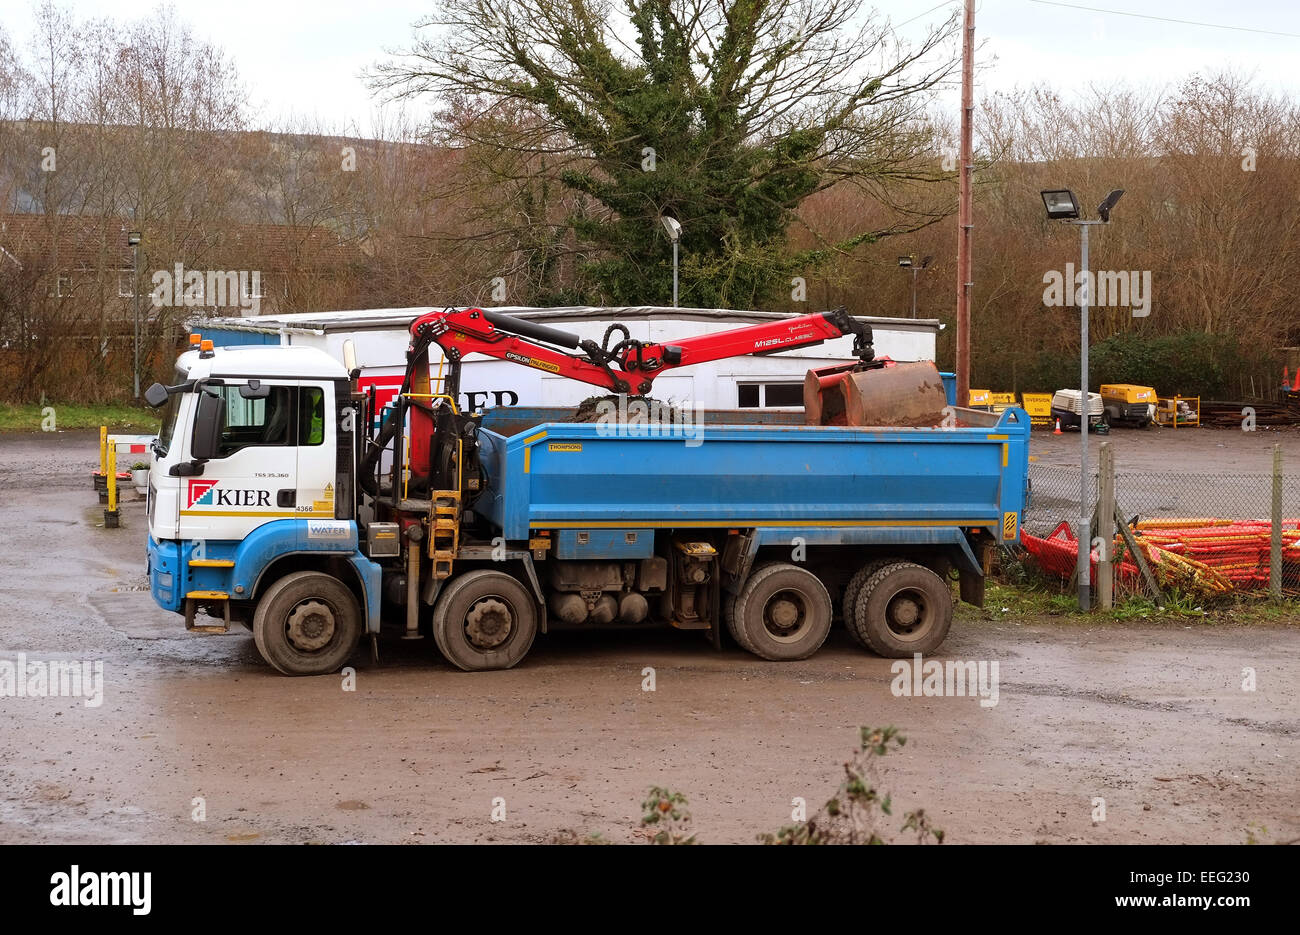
(1152, 718)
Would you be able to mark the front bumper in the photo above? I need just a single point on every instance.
(165, 579)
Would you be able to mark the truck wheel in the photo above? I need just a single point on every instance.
(484, 620)
(307, 623)
(904, 608)
(782, 613)
(849, 603)
(729, 618)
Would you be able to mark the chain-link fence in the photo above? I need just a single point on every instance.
(1200, 535)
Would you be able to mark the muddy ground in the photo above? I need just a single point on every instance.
(1152, 718)
(1181, 451)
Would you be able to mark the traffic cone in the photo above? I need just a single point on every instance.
(1058, 428)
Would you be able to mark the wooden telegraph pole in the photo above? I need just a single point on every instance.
(965, 214)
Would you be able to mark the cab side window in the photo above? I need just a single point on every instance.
(257, 422)
(311, 415)
(286, 416)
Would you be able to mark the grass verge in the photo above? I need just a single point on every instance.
(68, 417)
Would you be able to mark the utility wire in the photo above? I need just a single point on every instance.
(1165, 19)
(926, 13)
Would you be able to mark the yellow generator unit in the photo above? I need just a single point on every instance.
(1127, 404)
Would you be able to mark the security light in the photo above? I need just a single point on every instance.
(1061, 204)
(672, 226)
(905, 261)
(1103, 209)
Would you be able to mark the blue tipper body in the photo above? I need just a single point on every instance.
(829, 485)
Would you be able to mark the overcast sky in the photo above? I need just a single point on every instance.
(305, 57)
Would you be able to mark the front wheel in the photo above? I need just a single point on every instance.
(484, 620)
(307, 623)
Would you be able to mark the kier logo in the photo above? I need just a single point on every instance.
(201, 492)
(207, 493)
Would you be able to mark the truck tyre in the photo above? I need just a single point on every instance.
(307, 623)
(729, 617)
(782, 613)
(903, 608)
(484, 620)
(849, 603)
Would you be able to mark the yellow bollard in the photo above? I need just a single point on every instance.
(99, 479)
(111, 515)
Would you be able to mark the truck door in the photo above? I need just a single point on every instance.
(252, 480)
(317, 450)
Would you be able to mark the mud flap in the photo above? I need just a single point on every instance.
(971, 586)
(971, 580)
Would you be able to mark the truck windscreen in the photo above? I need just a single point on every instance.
(169, 413)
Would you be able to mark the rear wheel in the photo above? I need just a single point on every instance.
(307, 623)
(904, 608)
(849, 603)
(782, 613)
(729, 617)
(484, 620)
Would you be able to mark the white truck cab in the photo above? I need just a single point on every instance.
(252, 484)
(276, 453)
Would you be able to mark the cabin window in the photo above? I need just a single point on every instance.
(776, 395)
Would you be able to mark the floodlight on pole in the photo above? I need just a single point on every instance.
(674, 229)
(133, 241)
(1062, 205)
(909, 263)
(1103, 209)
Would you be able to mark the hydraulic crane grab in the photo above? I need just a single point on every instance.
(479, 331)
(442, 450)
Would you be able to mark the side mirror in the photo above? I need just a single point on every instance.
(208, 421)
(254, 389)
(156, 395)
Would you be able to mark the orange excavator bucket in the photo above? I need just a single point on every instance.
(895, 394)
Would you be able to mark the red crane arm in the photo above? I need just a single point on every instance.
(479, 331)
(768, 337)
(629, 366)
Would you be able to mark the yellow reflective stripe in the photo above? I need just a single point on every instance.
(276, 514)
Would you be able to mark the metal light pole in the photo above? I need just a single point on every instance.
(674, 229)
(907, 262)
(674, 274)
(1063, 205)
(133, 239)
